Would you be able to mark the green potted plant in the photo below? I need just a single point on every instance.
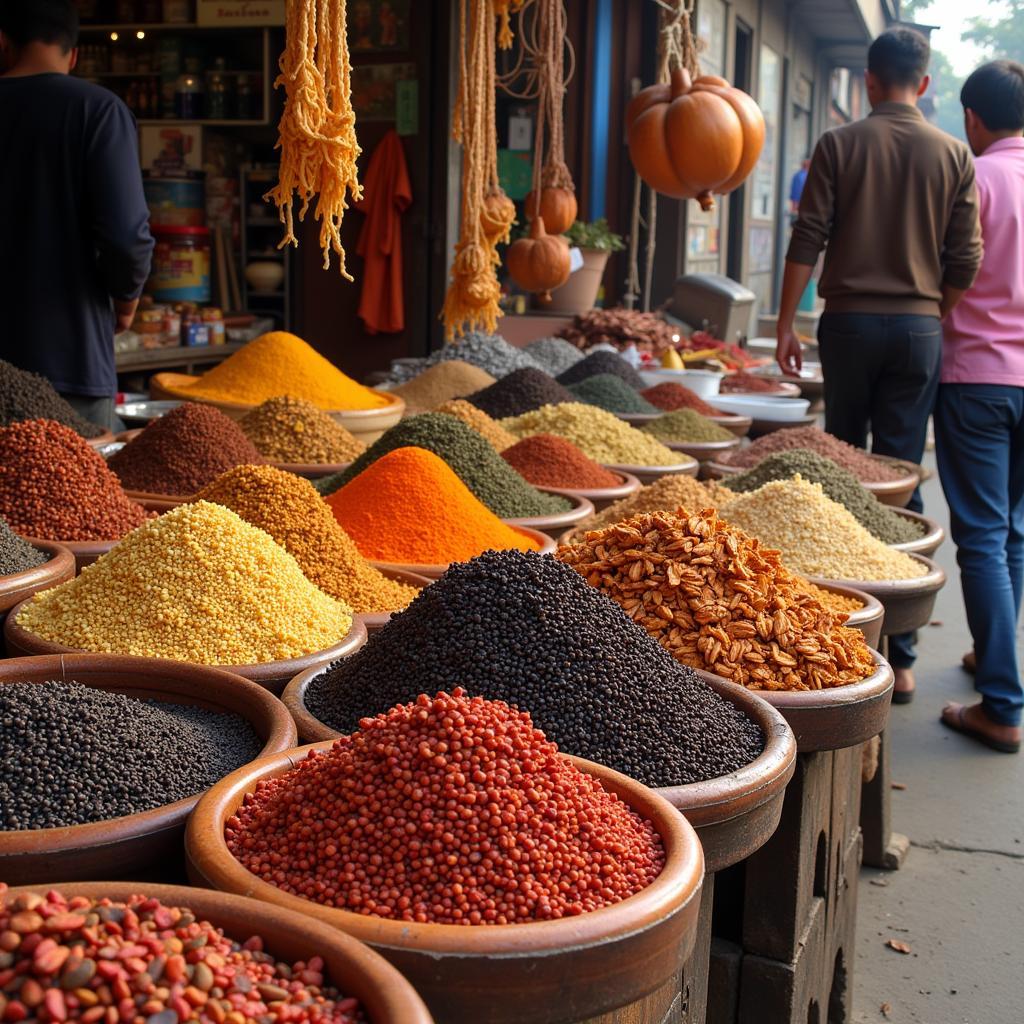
(596, 242)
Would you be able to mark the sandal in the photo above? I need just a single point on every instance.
(956, 721)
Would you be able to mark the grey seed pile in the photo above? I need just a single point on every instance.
(471, 457)
(612, 393)
(555, 355)
(602, 362)
(521, 391)
(70, 754)
(490, 352)
(16, 554)
(27, 396)
(838, 483)
(528, 630)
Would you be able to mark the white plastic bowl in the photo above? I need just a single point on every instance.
(780, 410)
(704, 383)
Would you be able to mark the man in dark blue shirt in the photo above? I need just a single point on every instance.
(74, 229)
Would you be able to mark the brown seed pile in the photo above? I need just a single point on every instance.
(491, 431)
(620, 327)
(287, 429)
(452, 378)
(671, 396)
(717, 600)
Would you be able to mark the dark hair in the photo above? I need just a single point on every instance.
(899, 57)
(995, 92)
(40, 21)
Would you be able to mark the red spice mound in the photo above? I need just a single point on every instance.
(451, 810)
(55, 486)
(743, 381)
(182, 452)
(672, 397)
(549, 461)
(96, 961)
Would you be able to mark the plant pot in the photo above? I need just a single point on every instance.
(600, 497)
(687, 466)
(929, 542)
(579, 293)
(19, 586)
(558, 523)
(376, 621)
(138, 843)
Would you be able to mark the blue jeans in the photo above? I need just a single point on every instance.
(881, 374)
(979, 435)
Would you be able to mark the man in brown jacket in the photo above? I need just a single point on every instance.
(891, 199)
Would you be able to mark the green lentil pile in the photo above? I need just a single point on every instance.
(469, 455)
(839, 484)
(16, 554)
(686, 425)
(607, 391)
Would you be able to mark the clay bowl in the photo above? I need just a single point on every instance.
(311, 470)
(908, 603)
(638, 419)
(703, 451)
(105, 438)
(436, 571)
(19, 586)
(160, 502)
(355, 969)
(309, 727)
(739, 425)
(374, 621)
(810, 387)
(760, 427)
(929, 542)
(554, 525)
(895, 492)
(139, 843)
(687, 466)
(737, 814)
(271, 675)
(868, 619)
(554, 972)
(600, 497)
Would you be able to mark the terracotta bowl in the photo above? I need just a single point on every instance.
(574, 969)
(355, 969)
(739, 425)
(759, 427)
(908, 603)
(687, 466)
(19, 586)
(160, 502)
(436, 571)
(375, 621)
(311, 470)
(703, 451)
(558, 523)
(271, 675)
(140, 842)
(309, 727)
(638, 419)
(600, 497)
(105, 438)
(868, 618)
(929, 542)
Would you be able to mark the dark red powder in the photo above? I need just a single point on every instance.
(671, 397)
(549, 461)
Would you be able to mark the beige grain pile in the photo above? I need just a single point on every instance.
(452, 378)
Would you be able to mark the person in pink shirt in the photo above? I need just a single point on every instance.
(979, 413)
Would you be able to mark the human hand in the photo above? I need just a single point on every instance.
(788, 353)
(124, 313)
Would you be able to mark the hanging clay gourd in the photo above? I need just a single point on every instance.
(539, 262)
(497, 217)
(689, 139)
(557, 207)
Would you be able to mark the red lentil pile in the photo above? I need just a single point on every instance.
(101, 962)
(671, 397)
(742, 381)
(183, 451)
(55, 486)
(549, 461)
(448, 810)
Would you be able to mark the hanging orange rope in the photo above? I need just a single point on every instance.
(316, 134)
(499, 212)
(504, 9)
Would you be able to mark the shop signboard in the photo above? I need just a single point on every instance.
(224, 13)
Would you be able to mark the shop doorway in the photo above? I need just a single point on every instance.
(742, 79)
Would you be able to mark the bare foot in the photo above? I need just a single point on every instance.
(969, 662)
(971, 720)
(903, 690)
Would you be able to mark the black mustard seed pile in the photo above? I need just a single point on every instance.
(27, 396)
(16, 554)
(521, 391)
(525, 629)
(612, 394)
(602, 362)
(70, 754)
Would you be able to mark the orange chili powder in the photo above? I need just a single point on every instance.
(409, 507)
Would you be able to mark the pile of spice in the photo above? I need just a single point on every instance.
(183, 451)
(687, 425)
(28, 396)
(598, 363)
(280, 363)
(717, 599)
(70, 754)
(292, 430)
(290, 510)
(839, 484)
(410, 508)
(664, 495)
(601, 435)
(523, 628)
(534, 839)
(519, 392)
(472, 459)
(494, 434)
(741, 381)
(55, 486)
(489, 352)
(621, 327)
(607, 391)
(817, 536)
(670, 396)
(555, 355)
(835, 602)
(91, 960)
(453, 378)
(855, 460)
(199, 585)
(549, 461)
(16, 554)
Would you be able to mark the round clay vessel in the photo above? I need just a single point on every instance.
(738, 425)
(703, 451)
(58, 568)
(638, 419)
(311, 470)
(559, 522)
(930, 541)
(687, 466)
(600, 497)
(374, 621)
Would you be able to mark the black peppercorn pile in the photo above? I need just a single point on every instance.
(70, 754)
(602, 362)
(16, 555)
(521, 391)
(528, 630)
(27, 396)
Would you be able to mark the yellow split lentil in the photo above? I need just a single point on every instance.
(288, 429)
(601, 435)
(816, 535)
(489, 429)
(198, 584)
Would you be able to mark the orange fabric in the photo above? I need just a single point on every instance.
(387, 194)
